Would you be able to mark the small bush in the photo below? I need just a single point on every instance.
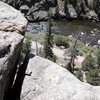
(88, 63)
(98, 57)
(85, 49)
(25, 49)
(79, 75)
(93, 76)
(60, 40)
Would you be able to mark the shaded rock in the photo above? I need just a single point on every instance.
(12, 23)
(74, 8)
(24, 9)
(49, 81)
(37, 15)
(39, 9)
(62, 14)
(10, 46)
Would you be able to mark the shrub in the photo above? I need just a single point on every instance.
(88, 63)
(98, 57)
(60, 40)
(25, 49)
(85, 49)
(93, 76)
(79, 75)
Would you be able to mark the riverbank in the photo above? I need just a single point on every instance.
(87, 31)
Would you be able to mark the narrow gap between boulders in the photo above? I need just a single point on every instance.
(17, 86)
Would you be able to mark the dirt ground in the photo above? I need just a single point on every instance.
(59, 53)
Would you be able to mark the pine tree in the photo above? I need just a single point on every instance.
(73, 56)
(48, 44)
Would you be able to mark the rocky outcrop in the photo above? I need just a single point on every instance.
(45, 80)
(12, 23)
(39, 9)
(10, 46)
(11, 19)
(36, 10)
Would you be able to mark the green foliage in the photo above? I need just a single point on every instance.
(36, 37)
(73, 51)
(25, 49)
(98, 57)
(26, 46)
(47, 50)
(69, 67)
(48, 41)
(88, 63)
(79, 75)
(93, 76)
(60, 40)
(85, 49)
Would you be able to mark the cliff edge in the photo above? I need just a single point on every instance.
(12, 25)
(46, 80)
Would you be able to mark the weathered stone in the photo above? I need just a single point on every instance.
(40, 9)
(75, 8)
(11, 19)
(10, 46)
(12, 23)
(49, 81)
(92, 15)
(71, 13)
(38, 15)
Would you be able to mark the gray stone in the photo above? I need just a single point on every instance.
(49, 81)
(92, 15)
(71, 13)
(11, 19)
(75, 8)
(10, 47)
(38, 15)
(12, 23)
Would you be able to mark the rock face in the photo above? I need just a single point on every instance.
(36, 10)
(12, 23)
(46, 80)
(39, 9)
(11, 19)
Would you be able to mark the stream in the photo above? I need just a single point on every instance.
(85, 30)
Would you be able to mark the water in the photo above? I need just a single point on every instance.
(85, 30)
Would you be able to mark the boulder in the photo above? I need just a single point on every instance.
(10, 47)
(12, 25)
(39, 10)
(37, 16)
(34, 8)
(11, 19)
(71, 13)
(24, 9)
(46, 80)
(92, 15)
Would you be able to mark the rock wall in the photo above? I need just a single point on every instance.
(36, 10)
(45, 80)
(12, 25)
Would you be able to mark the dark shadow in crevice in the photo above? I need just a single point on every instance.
(17, 87)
